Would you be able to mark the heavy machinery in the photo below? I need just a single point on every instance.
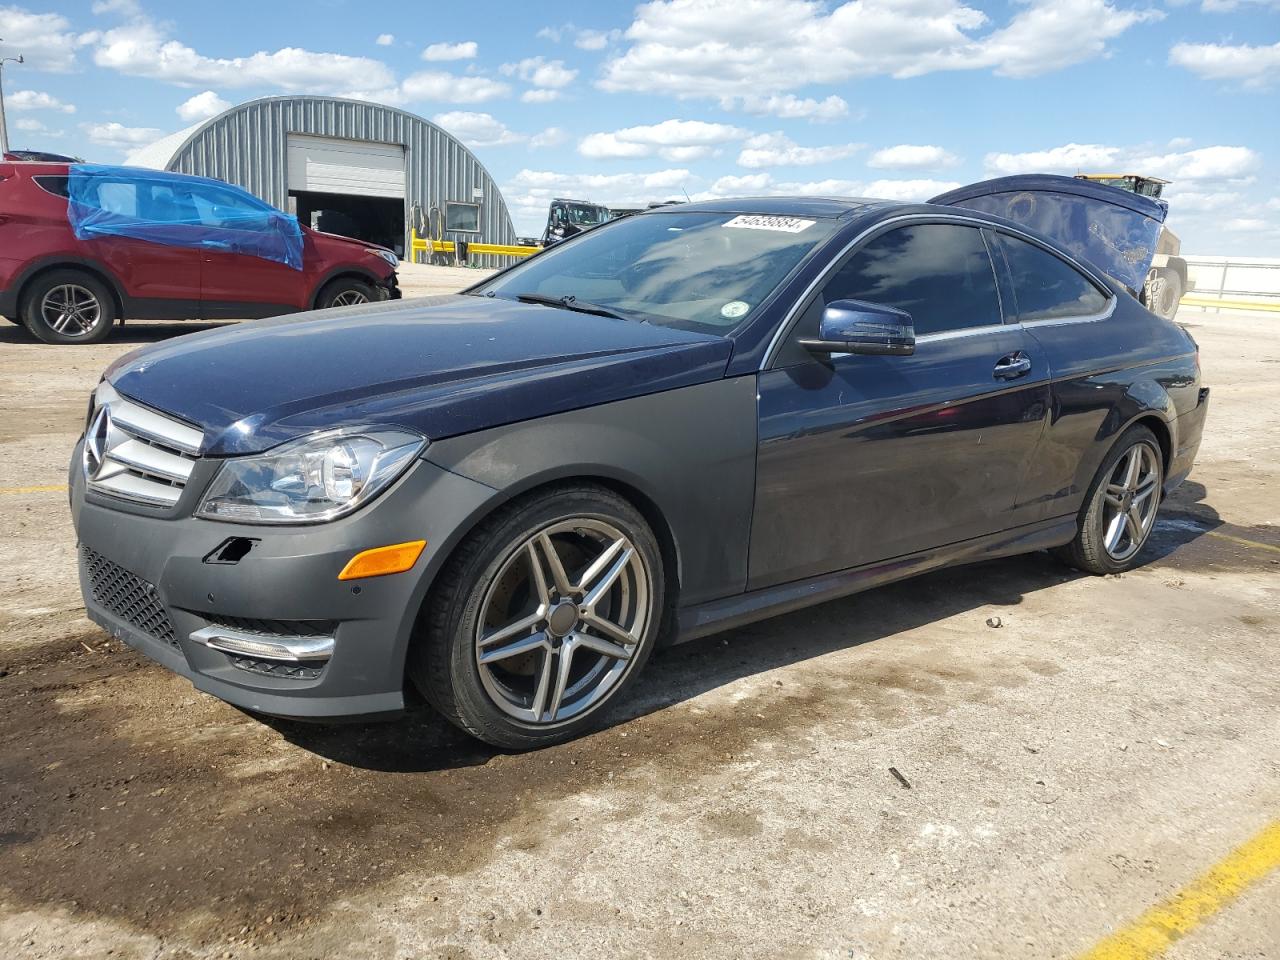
(1166, 280)
(568, 217)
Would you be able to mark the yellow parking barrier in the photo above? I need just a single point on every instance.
(427, 246)
(1193, 301)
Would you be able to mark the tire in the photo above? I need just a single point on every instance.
(93, 307)
(1099, 547)
(345, 292)
(550, 671)
(1167, 293)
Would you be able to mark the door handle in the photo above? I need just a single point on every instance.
(1012, 366)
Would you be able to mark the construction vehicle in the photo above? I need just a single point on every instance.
(565, 218)
(1166, 280)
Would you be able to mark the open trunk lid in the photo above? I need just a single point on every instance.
(1111, 228)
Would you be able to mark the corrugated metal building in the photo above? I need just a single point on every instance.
(347, 166)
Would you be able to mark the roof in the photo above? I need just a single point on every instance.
(823, 208)
(158, 154)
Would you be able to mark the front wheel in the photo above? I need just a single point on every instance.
(1166, 293)
(1120, 508)
(543, 616)
(345, 292)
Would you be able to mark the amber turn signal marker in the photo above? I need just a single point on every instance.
(380, 561)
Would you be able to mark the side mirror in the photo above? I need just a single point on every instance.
(855, 326)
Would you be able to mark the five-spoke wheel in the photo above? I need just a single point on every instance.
(542, 616)
(1120, 508)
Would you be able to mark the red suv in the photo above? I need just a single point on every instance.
(82, 246)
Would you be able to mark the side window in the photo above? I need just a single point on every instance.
(1046, 286)
(115, 196)
(222, 208)
(939, 273)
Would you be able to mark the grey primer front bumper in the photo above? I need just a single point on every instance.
(266, 624)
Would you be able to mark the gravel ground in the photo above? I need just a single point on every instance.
(1105, 744)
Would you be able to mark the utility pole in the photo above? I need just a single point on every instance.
(4, 131)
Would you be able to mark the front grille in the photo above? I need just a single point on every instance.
(275, 628)
(135, 453)
(127, 596)
(272, 668)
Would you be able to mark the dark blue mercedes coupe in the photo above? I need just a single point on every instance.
(676, 423)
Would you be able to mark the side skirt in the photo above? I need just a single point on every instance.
(739, 610)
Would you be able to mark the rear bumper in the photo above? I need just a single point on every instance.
(1189, 430)
(154, 581)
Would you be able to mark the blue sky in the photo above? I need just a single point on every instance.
(626, 103)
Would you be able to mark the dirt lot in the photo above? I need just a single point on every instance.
(1105, 744)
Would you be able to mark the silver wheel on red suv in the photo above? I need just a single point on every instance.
(68, 306)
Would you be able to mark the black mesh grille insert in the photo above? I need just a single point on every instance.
(128, 596)
(276, 628)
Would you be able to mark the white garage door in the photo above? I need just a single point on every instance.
(358, 167)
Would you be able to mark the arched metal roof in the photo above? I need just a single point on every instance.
(248, 145)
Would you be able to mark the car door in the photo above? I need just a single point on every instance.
(1070, 318)
(866, 458)
(238, 285)
(160, 278)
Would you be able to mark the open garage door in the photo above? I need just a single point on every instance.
(355, 188)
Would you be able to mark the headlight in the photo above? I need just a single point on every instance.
(310, 480)
(386, 255)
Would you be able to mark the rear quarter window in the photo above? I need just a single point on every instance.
(1046, 286)
(52, 184)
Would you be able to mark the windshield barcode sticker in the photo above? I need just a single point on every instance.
(781, 224)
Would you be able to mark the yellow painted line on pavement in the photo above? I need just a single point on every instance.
(1244, 542)
(46, 488)
(1151, 934)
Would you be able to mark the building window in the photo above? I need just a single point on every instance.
(462, 217)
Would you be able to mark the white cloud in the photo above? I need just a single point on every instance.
(29, 124)
(906, 156)
(117, 135)
(1206, 163)
(540, 72)
(583, 39)
(550, 137)
(777, 150)
(45, 40)
(465, 50)
(1273, 203)
(540, 95)
(36, 100)
(1249, 65)
(141, 49)
(678, 140)
(478, 129)
(596, 39)
(790, 107)
(385, 39)
(1226, 6)
(1248, 225)
(202, 106)
(738, 48)
(451, 88)
(127, 8)
(763, 184)
(1194, 201)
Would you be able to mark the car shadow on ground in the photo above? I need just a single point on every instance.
(142, 332)
(422, 741)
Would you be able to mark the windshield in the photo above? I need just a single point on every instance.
(585, 216)
(697, 271)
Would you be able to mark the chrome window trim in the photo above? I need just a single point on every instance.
(789, 321)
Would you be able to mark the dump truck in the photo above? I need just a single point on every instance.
(1166, 280)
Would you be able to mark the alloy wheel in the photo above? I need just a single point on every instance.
(349, 298)
(71, 310)
(1130, 500)
(561, 621)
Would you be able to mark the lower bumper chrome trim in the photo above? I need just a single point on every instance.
(262, 647)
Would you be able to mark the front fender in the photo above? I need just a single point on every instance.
(689, 452)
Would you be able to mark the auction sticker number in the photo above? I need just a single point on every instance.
(780, 224)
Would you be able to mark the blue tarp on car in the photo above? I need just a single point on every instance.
(179, 211)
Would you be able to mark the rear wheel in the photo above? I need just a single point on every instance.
(345, 292)
(68, 306)
(1120, 509)
(543, 616)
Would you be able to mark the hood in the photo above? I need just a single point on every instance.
(339, 239)
(1114, 229)
(442, 366)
